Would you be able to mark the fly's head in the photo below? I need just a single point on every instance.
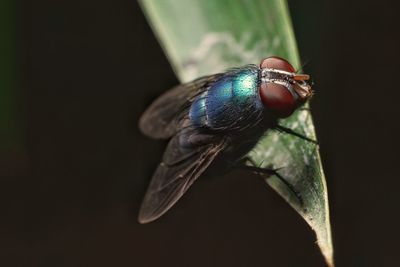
(282, 90)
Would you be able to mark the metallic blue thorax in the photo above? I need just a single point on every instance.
(232, 101)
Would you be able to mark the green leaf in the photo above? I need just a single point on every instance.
(206, 36)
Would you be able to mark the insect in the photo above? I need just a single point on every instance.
(213, 119)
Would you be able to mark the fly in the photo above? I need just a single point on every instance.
(213, 119)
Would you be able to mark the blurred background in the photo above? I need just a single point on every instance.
(75, 77)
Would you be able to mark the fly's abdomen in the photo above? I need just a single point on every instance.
(231, 101)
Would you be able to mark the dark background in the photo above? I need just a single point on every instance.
(73, 177)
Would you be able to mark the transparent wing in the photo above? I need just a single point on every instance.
(160, 120)
(177, 172)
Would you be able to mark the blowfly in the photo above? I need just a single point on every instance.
(216, 118)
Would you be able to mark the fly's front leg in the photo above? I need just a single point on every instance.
(291, 132)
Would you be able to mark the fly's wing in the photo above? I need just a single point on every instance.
(160, 120)
(176, 173)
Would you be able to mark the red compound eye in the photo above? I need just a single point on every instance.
(275, 96)
(277, 63)
(278, 98)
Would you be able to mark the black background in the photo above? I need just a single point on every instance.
(71, 192)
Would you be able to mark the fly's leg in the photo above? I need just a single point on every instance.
(242, 162)
(291, 132)
(268, 172)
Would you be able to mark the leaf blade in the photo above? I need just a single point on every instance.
(204, 37)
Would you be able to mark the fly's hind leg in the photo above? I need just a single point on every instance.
(268, 172)
(244, 160)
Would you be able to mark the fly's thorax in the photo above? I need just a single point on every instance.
(231, 103)
(282, 90)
